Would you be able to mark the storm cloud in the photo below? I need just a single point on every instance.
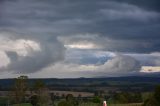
(37, 34)
(122, 22)
(29, 56)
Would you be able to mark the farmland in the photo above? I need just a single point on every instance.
(89, 104)
(119, 91)
(92, 104)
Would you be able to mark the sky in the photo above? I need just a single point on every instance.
(79, 38)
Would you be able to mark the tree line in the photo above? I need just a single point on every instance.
(38, 94)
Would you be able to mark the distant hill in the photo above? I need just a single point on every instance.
(126, 81)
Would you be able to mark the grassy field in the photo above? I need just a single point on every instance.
(93, 104)
(24, 104)
(135, 104)
(89, 104)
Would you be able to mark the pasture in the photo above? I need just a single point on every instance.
(91, 104)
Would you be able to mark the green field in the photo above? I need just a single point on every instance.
(24, 104)
(135, 104)
(91, 104)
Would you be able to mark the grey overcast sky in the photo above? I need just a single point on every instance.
(79, 38)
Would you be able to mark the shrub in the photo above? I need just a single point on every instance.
(96, 99)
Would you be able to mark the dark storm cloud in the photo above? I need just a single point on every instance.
(112, 25)
(121, 21)
(113, 19)
(146, 4)
(148, 59)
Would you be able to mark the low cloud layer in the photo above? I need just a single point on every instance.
(118, 65)
(122, 64)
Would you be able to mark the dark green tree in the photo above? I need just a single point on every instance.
(154, 100)
(151, 102)
(157, 94)
(34, 100)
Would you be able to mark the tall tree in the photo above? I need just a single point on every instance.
(20, 88)
(42, 93)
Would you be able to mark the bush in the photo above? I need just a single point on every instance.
(34, 100)
(64, 103)
(3, 101)
(153, 100)
(127, 97)
(96, 99)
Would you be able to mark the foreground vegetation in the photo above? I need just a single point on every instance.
(92, 104)
(38, 94)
